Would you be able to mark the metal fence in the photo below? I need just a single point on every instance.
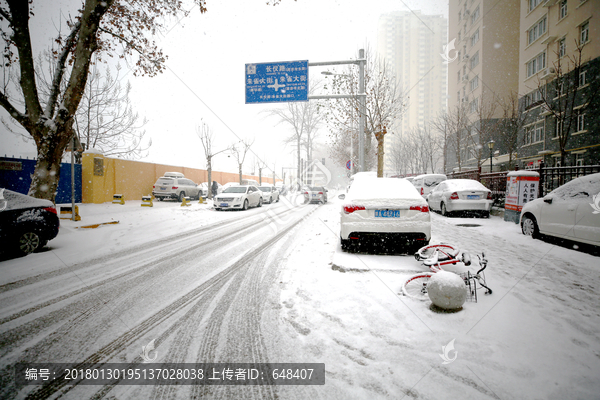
(553, 177)
(550, 178)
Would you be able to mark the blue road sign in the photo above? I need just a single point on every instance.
(277, 82)
(349, 164)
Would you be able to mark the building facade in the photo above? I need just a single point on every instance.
(410, 43)
(558, 80)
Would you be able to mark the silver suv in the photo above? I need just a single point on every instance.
(173, 185)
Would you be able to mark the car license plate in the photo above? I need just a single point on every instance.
(314, 195)
(163, 188)
(387, 213)
(224, 204)
(472, 197)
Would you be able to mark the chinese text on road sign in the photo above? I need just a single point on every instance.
(277, 82)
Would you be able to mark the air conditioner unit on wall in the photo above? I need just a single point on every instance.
(548, 73)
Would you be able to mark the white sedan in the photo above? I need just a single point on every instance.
(270, 193)
(384, 211)
(239, 197)
(465, 195)
(571, 211)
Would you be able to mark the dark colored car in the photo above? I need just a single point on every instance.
(26, 223)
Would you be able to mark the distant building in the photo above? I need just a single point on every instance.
(550, 33)
(484, 74)
(411, 42)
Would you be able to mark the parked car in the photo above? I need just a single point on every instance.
(281, 188)
(384, 210)
(455, 195)
(571, 211)
(315, 194)
(239, 197)
(26, 223)
(173, 185)
(424, 183)
(270, 193)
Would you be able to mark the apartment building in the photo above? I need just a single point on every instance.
(482, 73)
(411, 42)
(558, 69)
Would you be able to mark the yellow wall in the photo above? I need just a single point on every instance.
(135, 179)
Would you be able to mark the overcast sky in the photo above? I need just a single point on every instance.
(204, 80)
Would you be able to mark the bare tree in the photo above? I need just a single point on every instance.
(441, 123)
(482, 127)
(385, 102)
(239, 151)
(105, 119)
(458, 128)
(304, 118)
(102, 27)
(564, 97)
(206, 136)
(514, 118)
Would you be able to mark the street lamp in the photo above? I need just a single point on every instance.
(491, 147)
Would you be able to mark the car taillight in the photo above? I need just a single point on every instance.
(320, 192)
(420, 208)
(175, 187)
(51, 209)
(305, 192)
(422, 191)
(454, 196)
(349, 209)
(489, 196)
(153, 186)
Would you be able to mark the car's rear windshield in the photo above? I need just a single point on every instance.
(316, 189)
(265, 188)
(235, 189)
(164, 181)
(434, 180)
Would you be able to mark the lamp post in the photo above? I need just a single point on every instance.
(491, 147)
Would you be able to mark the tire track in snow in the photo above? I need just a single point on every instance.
(189, 299)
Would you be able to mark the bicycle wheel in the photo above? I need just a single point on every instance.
(428, 251)
(416, 286)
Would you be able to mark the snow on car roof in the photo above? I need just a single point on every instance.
(384, 189)
(464, 184)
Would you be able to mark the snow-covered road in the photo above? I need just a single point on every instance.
(272, 285)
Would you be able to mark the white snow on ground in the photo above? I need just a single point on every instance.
(535, 337)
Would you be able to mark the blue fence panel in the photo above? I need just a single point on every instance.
(15, 174)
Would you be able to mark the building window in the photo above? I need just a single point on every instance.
(582, 78)
(537, 64)
(474, 105)
(474, 83)
(580, 122)
(534, 133)
(475, 60)
(537, 30)
(585, 32)
(458, 76)
(475, 15)
(539, 132)
(562, 47)
(559, 128)
(579, 160)
(562, 10)
(534, 3)
(475, 37)
(538, 95)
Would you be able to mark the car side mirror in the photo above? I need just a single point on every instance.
(548, 199)
(342, 196)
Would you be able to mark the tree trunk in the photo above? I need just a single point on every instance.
(380, 139)
(209, 168)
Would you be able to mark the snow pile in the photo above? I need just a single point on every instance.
(447, 290)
